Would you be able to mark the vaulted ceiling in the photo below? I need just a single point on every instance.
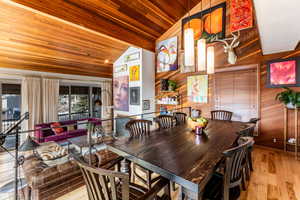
(137, 22)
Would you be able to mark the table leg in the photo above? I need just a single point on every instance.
(125, 167)
(185, 194)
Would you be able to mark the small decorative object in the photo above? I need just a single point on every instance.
(172, 85)
(197, 88)
(167, 55)
(132, 57)
(120, 68)
(289, 97)
(292, 140)
(207, 24)
(200, 122)
(283, 72)
(134, 73)
(195, 113)
(134, 96)
(164, 85)
(146, 104)
(229, 48)
(241, 15)
(198, 130)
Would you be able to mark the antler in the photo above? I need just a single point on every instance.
(234, 39)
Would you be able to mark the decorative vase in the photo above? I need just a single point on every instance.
(290, 105)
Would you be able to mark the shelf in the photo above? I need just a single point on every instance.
(167, 104)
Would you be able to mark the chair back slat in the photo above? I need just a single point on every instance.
(180, 117)
(221, 115)
(138, 127)
(165, 121)
(101, 183)
(248, 131)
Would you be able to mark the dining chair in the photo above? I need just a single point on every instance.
(165, 121)
(227, 186)
(180, 117)
(138, 128)
(103, 184)
(221, 115)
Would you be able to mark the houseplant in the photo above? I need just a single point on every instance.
(172, 85)
(289, 97)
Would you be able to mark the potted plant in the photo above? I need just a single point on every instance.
(289, 97)
(172, 85)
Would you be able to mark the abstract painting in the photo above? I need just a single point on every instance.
(167, 55)
(197, 88)
(283, 73)
(207, 24)
(135, 96)
(134, 73)
(241, 15)
(120, 91)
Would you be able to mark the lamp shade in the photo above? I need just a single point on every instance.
(210, 60)
(201, 55)
(189, 47)
(28, 145)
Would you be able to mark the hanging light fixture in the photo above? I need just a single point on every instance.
(189, 43)
(201, 51)
(210, 53)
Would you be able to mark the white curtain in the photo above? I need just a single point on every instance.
(50, 97)
(106, 98)
(31, 102)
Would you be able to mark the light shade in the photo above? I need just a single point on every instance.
(210, 60)
(201, 57)
(189, 47)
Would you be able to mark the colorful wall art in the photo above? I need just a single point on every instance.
(283, 72)
(207, 24)
(134, 73)
(120, 88)
(241, 15)
(197, 88)
(167, 55)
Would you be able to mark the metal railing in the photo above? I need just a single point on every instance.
(77, 116)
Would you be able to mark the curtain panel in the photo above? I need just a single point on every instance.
(50, 95)
(106, 98)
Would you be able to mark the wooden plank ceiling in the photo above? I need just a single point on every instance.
(137, 22)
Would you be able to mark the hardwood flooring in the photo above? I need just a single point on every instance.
(276, 176)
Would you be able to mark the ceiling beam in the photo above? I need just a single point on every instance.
(70, 12)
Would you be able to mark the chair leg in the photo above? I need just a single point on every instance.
(250, 161)
(243, 179)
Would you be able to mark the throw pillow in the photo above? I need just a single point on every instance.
(82, 124)
(56, 129)
(70, 128)
(51, 151)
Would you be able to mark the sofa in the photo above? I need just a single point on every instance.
(44, 133)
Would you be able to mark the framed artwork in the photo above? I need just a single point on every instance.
(167, 55)
(134, 95)
(120, 93)
(146, 104)
(241, 15)
(120, 68)
(283, 72)
(134, 73)
(207, 24)
(132, 57)
(197, 88)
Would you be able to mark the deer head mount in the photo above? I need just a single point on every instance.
(229, 48)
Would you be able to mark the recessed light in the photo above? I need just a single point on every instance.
(106, 61)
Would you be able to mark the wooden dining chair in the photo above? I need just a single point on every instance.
(180, 117)
(227, 186)
(221, 115)
(139, 128)
(103, 184)
(165, 121)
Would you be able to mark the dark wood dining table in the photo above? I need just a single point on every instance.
(179, 155)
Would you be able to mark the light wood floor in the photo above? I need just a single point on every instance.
(276, 177)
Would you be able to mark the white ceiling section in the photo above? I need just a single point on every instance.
(278, 24)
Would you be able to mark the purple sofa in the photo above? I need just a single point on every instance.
(48, 135)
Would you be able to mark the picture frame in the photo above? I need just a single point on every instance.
(134, 73)
(120, 68)
(283, 73)
(146, 104)
(167, 55)
(134, 94)
(132, 57)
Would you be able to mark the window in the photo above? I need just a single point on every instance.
(11, 104)
(79, 102)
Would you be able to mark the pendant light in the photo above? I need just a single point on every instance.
(210, 53)
(189, 43)
(201, 51)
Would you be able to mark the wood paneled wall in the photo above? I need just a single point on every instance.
(33, 41)
(249, 52)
